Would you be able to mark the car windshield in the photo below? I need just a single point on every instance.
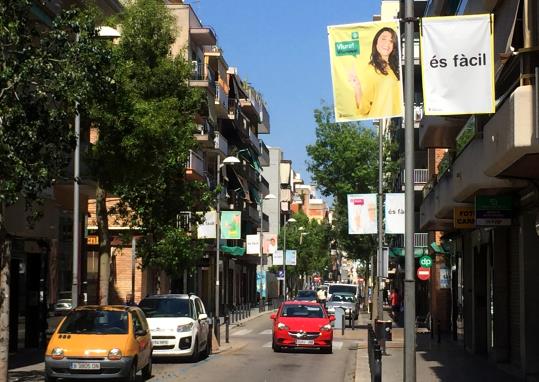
(343, 298)
(160, 307)
(306, 311)
(340, 289)
(95, 322)
(307, 294)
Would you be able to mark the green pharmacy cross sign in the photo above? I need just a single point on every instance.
(425, 261)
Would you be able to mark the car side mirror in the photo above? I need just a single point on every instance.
(331, 317)
(141, 333)
(202, 316)
(273, 316)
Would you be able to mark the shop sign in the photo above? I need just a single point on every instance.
(425, 261)
(493, 210)
(464, 217)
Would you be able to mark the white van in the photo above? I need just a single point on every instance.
(340, 288)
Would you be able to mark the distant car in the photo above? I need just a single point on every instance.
(179, 325)
(344, 300)
(306, 295)
(100, 342)
(340, 288)
(299, 324)
(62, 307)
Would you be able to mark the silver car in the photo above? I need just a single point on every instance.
(345, 301)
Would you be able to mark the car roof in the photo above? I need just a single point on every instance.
(169, 296)
(294, 302)
(105, 307)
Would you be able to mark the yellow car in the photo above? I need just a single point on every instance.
(100, 342)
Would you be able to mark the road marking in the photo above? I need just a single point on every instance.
(267, 345)
(337, 345)
(267, 331)
(241, 332)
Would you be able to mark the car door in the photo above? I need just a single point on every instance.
(143, 340)
(148, 339)
(204, 326)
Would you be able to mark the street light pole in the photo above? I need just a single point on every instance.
(261, 248)
(285, 228)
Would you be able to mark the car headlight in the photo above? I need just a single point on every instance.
(184, 328)
(57, 353)
(282, 326)
(326, 328)
(115, 354)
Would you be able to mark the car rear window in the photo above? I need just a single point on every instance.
(161, 307)
(307, 293)
(342, 289)
(95, 322)
(297, 310)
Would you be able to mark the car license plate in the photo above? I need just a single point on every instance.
(160, 342)
(85, 366)
(304, 342)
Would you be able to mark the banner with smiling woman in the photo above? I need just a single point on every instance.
(365, 69)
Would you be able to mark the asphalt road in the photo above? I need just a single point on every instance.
(252, 359)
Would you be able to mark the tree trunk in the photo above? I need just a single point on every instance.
(104, 244)
(5, 262)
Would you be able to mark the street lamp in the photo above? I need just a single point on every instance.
(261, 249)
(228, 160)
(291, 220)
(105, 33)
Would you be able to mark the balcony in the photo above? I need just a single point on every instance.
(253, 213)
(421, 239)
(255, 143)
(421, 177)
(203, 77)
(427, 215)
(264, 157)
(220, 143)
(221, 100)
(202, 35)
(440, 131)
(263, 186)
(194, 168)
(511, 142)
(264, 122)
(251, 104)
(204, 134)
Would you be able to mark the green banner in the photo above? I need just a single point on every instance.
(231, 225)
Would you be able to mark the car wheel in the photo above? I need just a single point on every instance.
(195, 356)
(132, 376)
(328, 350)
(276, 348)
(147, 370)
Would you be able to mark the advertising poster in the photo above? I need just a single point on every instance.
(207, 229)
(277, 257)
(261, 282)
(231, 225)
(394, 213)
(269, 245)
(457, 64)
(365, 70)
(362, 216)
(253, 244)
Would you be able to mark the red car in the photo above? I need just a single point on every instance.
(302, 324)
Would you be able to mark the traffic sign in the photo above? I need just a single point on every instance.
(425, 261)
(423, 273)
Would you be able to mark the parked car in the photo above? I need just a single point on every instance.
(341, 288)
(62, 307)
(299, 324)
(179, 325)
(306, 295)
(100, 342)
(344, 300)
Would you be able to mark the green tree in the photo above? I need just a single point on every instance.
(146, 130)
(44, 73)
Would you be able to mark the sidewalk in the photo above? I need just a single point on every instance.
(444, 361)
(28, 366)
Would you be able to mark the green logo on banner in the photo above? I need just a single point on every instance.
(425, 261)
(347, 48)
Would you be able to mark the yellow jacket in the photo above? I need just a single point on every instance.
(381, 94)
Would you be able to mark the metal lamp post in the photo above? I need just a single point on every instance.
(106, 33)
(291, 220)
(227, 160)
(261, 249)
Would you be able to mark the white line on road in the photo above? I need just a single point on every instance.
(267, 331)
(337, 345)
(267, 345)
(241, 332)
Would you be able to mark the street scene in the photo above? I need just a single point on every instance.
(229, 190)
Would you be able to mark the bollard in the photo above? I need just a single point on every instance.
(218, 330)
(343, 324)
(210, 331)
(377, 372)
(227, 329)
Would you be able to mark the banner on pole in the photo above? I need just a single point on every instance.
(253, 244)
(231, 225)
(394, 213)
(291, 257)
(457, 62)
(362, 216)
(269, 245)
(365, 69)
(207, 229)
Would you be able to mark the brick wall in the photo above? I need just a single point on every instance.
(121, 271)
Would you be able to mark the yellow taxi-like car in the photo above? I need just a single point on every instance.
(100, 342)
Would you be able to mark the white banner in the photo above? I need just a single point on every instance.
(291, 257)
(206, 229)
(458, 64)
(277, 257)
(394, 213)
(362, 216)
(253, 244)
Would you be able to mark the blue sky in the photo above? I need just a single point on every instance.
(281, 48)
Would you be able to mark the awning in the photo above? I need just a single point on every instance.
(251, 158)
(255, 195)
(418, 251)
(234, 251)
(438, 248)
(244, 185)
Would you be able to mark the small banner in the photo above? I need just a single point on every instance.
(362, 216)
(394, 213)
(231, 225)
(206, 229)
(253, 244)
(457, 62)
(269, 245)
(365, 69)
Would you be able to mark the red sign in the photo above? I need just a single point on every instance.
(423, 273)
(316, 279)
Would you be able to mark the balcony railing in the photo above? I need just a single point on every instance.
(264, 154)
(221, 143)
(255, 143)
(195, 164)
(421, 177)
(421, 239)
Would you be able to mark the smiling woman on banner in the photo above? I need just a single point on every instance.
(377, 90)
